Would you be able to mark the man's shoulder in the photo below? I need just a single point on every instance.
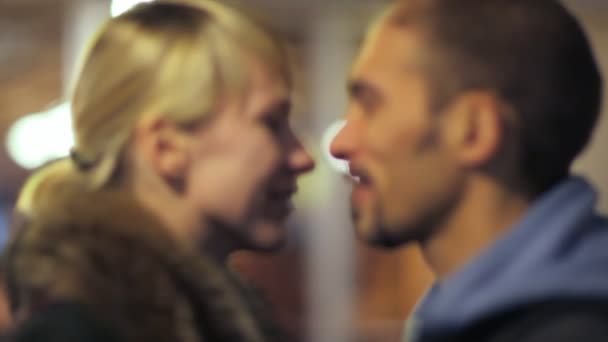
(558, 320)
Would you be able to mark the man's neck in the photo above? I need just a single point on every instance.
(486, 211)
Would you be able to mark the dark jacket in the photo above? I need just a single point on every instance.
(545, 280)
(104, 262)
(555, 321)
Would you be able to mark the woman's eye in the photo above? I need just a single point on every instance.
(273, 124)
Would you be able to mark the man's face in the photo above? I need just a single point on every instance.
(407, 176)
(266, 104)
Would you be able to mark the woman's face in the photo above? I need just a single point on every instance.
(259, 160)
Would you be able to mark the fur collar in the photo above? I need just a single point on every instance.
(104, 251)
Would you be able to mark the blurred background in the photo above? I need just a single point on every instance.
(325, 286)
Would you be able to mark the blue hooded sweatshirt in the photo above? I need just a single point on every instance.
(559, 250)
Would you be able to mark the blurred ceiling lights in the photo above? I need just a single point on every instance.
(41, 137)
(38, 138)
(120, 6)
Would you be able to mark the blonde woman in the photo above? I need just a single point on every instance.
(183, 154)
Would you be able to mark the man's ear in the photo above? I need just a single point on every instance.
(164, 147)
(474, 126)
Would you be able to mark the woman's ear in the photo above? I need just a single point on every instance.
(164, 146)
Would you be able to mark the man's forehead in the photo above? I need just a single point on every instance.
(388, 47)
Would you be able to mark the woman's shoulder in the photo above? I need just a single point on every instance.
(103, 256)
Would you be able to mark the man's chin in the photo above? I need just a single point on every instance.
(376, 234)
(381, 239)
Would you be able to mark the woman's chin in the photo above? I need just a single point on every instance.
(268, 235)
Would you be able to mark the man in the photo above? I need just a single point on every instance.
(464, 119)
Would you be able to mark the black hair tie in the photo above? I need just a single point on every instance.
(81, 163)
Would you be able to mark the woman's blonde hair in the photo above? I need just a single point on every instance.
(170, 58)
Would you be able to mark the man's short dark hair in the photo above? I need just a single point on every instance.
(534, 55)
